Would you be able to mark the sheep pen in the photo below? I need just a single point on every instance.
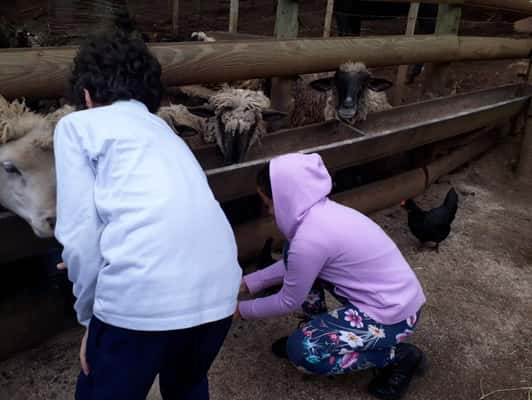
(478, 287)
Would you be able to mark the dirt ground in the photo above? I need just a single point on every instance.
(475, 327)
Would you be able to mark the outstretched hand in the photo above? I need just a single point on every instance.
(61, 266)
(83, 353)
(236, 315)
(243, 288)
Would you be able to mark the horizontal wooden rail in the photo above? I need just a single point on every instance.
(42, 72)
(523, 6)
(372, 197)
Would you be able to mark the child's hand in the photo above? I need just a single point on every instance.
(61, 266)
(83, 353)
(243, 288)
(236, 315)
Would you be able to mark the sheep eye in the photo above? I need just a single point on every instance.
(10, 168)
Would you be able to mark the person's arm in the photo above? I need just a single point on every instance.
(305, 261)
(78, 227)
(265, 278)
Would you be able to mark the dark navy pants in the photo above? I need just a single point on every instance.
(124, 363)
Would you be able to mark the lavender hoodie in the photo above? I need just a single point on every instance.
(333, 243)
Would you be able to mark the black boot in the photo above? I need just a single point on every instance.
(279, 347)
(392, 382)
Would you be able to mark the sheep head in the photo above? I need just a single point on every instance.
(353, 85)
(238, 116)
(27, 171)
(182, 122)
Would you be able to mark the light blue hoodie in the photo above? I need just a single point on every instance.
(146, 244)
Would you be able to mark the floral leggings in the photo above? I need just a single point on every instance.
(343, 340)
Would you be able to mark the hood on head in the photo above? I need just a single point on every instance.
(299, 181)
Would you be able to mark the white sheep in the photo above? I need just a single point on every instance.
(27, 175)
(236, 120)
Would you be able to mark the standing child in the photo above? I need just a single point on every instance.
(151, 255)
(336, 248)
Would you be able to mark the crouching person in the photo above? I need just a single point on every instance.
(335, 248)
(150, 252)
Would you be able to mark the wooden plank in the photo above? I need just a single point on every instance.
(328, 19)
(43, 72)
(175, 16)
(286, 27)
(196, 6)
(448, 23)
(238, 36)
(403, 69)
(233, 16)
(523, 6)
(286, 19)
(81, 18)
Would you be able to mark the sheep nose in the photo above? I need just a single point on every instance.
(51, 221)
(348, 102)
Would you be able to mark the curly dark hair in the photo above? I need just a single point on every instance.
(116, 67)
(264, 182)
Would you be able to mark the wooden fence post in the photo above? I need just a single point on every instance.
(524, 168)
(286, 27)
(448, 23)
(328, 19)
(403, 69)
(286, 23)
(233, 16)
(175, 16)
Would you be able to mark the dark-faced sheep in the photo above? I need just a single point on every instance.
(349, 95)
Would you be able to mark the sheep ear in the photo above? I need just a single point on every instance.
(270, 115)
(6, 131)
(379, 84)
(205, 111)
(58, 114)
(322, 85)
(185, 130)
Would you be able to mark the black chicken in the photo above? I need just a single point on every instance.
(435, 225)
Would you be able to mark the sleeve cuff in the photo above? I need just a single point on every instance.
(245, 309)
(254, 282)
